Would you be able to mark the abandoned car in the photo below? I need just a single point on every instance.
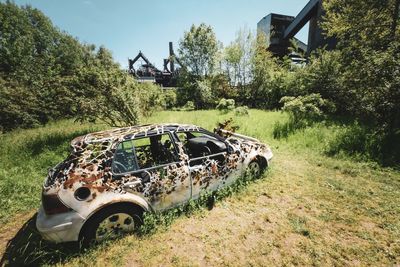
(111, 177)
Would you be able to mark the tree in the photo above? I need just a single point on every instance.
(232, 58)
(245, 40)
(198, 50)
(237, 57)
(268, 77)
(369, 47)
(369, 52)
(46, 74)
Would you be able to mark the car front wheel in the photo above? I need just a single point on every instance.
(254, 169)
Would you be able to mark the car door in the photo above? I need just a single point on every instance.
(152, 166)
(208, 157)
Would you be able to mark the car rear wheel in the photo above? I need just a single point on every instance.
(111, 222)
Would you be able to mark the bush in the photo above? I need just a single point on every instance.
(362, 142)
(308, 107)
(188, 106)
(241, 111)
(151, 98)
(117, 106)
(170, 98)
(350, 140)
(303, 111)
(226, 105)
(204, 97)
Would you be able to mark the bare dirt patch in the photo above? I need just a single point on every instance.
(10, 229)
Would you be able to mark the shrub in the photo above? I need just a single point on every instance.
(303, 111)
(242, 111)
(117, 106)
(359, 141)
(151, 98)
(188, 106)
(204, 97)
(308, 107)
(226, 105)
(170, 98)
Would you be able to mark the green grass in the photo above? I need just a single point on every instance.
(310, 209)
(25, 157)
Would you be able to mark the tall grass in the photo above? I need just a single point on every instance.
(25, 156)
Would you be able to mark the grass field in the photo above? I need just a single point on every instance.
(309, 209)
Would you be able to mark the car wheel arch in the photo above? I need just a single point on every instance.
(132, 205)
(263, 162)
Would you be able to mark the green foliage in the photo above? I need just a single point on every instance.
(221, 88)
(151, 98)
(270, 77)
(303, 111)
(232, 57)
(364, 143)
(203, 94)
(45, 74)
(37, 62)
(226, 105)
(352, 140)
(307, 107)
(199, 91)
(369, 68)
(198, 50)
(241, 111)
(237, 58)
(170, 98)
(107, 94)
(188, 106)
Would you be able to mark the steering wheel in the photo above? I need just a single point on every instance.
(207, 150)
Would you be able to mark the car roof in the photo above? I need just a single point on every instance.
(127, 133)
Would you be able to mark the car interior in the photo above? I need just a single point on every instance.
(144, 153)
(198, 144)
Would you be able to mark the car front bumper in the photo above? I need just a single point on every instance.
(61, 227)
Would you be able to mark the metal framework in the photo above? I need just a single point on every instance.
(147, 72)
(279, 29)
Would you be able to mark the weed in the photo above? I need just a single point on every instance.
(299, 225)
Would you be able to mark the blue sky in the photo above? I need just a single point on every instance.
(125, 27)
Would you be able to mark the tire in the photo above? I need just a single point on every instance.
(111, 222)
(254, 169)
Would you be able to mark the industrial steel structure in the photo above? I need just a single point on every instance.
(147, 72)
(280, 29)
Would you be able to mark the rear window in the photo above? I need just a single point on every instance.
(143, 153)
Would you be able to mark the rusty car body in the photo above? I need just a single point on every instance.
(111, 177)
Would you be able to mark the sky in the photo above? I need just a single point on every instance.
(125, 27)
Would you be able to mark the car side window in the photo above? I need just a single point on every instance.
(145, 152)
(200, 144)
(124, 158)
